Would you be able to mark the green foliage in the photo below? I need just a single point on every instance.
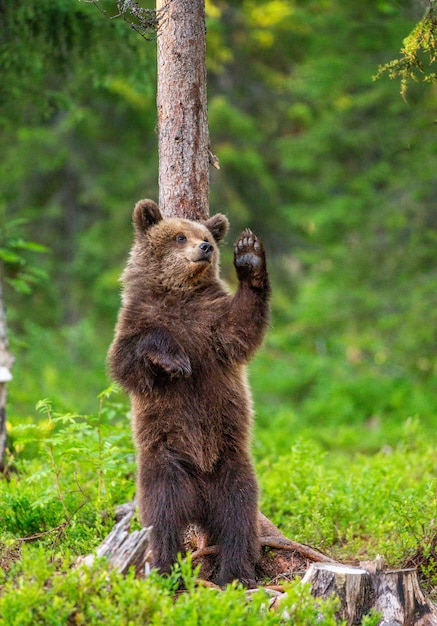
(356, 508)
(372, 619)
(44, 44)
(419, 53)
(71, 471)
(54, 596)
(70, 365)
(17, 270)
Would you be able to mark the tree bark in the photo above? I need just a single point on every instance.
(183, 136)
(6, 361)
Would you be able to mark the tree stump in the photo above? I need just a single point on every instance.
(395, 594)
(350, 584)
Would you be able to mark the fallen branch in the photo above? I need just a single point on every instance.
(122, 548)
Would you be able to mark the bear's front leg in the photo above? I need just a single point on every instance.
(242, 330)
(135, 360)
(250, 260)
(163, 350)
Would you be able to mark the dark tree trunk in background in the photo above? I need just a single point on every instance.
(183, 136)
(6, 361)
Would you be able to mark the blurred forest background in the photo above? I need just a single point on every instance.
(334, 170)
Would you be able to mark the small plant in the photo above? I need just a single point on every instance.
(79, 464)
(372, 619)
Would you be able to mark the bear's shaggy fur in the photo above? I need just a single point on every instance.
(180, 349)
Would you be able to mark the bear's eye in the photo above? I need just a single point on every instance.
(180, 238)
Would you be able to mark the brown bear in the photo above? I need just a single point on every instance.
(181, 346)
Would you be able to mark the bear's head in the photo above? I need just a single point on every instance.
(175, 253)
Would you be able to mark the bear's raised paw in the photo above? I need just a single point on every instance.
(249, 258)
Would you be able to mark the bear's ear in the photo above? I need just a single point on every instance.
(146, 214)
(218, 226)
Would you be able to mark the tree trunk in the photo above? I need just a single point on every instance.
(6, 361)
(183, 136)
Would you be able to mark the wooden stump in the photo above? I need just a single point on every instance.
(395, 594)
(350, 584)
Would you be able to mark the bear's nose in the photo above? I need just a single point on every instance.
(206, 248)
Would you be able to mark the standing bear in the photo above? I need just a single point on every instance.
(181, 346)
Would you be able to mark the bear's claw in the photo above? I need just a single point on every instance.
(180, 366)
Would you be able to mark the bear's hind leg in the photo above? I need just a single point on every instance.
(233, 521)
(166, 499)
